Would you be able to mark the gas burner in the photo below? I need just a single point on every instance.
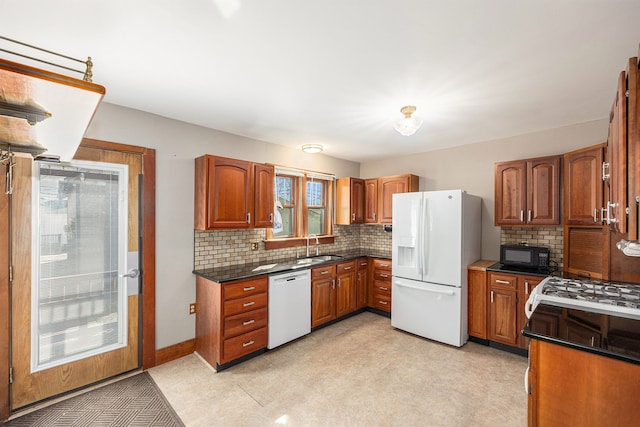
(599, 296)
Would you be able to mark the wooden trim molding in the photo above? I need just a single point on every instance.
(5, 307)
(176, 351)
(148, 242)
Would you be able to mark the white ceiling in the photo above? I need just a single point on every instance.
(337, 72)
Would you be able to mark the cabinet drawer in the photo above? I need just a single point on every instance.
(503, 281)
(323, 272)
(382, 275)
(245, 322)
(242, 305)
(363, 263)
(382, 287)
(384, 264)
(245, 288)
(345, 267)
(381, 301)
(233, 348)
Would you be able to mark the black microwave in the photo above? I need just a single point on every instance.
(524, 256)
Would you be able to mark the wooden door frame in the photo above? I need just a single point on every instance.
(148, 266)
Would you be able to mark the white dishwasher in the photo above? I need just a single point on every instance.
(289, 307)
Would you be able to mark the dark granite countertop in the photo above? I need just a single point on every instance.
(521, 270)
(606, 335)
(254, 269)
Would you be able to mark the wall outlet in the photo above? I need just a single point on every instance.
(254, 246)
(192, 308)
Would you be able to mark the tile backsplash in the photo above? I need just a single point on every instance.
(551, 237)
(222, 248)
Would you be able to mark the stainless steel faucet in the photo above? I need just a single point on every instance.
(317, 243)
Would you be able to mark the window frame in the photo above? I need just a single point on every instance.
(301, 211)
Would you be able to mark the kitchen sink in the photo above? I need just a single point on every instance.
(318, 258)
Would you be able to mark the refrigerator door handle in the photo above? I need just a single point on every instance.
(419, 239)
(404, 285)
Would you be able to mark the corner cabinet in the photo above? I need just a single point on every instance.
(527, 192)
(232, 194)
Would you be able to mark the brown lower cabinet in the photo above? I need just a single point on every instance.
(361, 282)
(506, 299)
(380, 287)
(231, 318)
(568, 387)
(333, 292)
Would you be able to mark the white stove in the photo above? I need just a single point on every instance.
(621, 299)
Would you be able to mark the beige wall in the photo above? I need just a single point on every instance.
(470, 167)
(178, 144)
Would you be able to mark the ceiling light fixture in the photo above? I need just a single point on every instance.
(409, 125)
(312, 148)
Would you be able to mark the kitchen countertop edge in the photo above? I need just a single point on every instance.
(527, 332)
(246, 271)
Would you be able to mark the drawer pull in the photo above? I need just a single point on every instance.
(248, 322)
(383, 302)
(247, 344)
(249, 288)
(384, 265)
(384, 275)
(347, 268)
(324, 272)
(504, 282)
(363, 264)
(383, 288)
(247, 304)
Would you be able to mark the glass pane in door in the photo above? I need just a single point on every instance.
(79, 300)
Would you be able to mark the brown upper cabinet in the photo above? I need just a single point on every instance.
(583, 186)
(369, 201)
(527, 192)
(232, 194)
(387, 187)
(349, 201)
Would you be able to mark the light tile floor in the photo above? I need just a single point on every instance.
(358, 372)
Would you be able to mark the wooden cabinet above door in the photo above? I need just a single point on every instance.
(232, 194)
(527, 192)
(349, 201)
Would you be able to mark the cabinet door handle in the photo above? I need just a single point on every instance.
(504, 282)
(374, 216)
(382, 288)
(248, 288)
(324, 272)
(346, 268)
(593, 340)
(491, 297)
(526, 287)
(247, 304)
(247, 344)
(333, 283)
(248, 217)
(521, 216)
(248, 322)
(529, 215)
(353, 216)
(605, 166)
(384, 265)
(363, 264)
(595, 214)
(338, 282)
(383, 302)
(384, 275)
(271, 218)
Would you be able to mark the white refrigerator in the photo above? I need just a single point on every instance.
(436, 235)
